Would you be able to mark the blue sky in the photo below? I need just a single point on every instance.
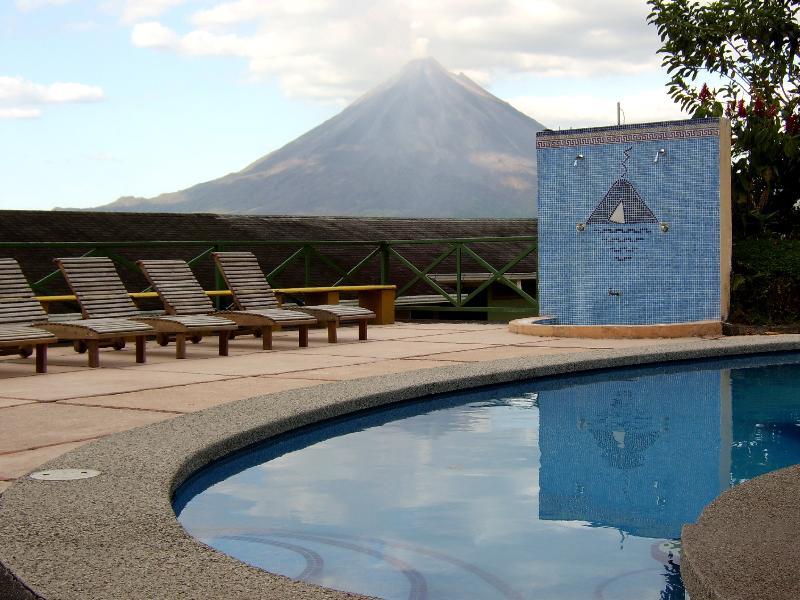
(107, 98)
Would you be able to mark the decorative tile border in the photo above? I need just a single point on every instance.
(628, 133)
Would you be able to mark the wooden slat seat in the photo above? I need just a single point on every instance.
(342, 312)
(251, 291)
(17, 335)
(105, 328)
(102, 296)
(194, 321)
(183, 296)
(278, 315)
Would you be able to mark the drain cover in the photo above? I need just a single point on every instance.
(64, 474)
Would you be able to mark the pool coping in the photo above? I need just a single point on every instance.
(116, 535)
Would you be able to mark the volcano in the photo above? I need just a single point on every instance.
(425, 143)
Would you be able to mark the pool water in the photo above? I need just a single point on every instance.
(566, 488)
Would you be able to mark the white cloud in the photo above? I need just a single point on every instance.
(598, 110)
(336, 49)
(134, 11)
(153, 35)
(23, 99)
(19, 113)
(33, 4)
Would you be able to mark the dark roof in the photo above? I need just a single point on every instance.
(81, 226)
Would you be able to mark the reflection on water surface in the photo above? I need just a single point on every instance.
(554, 489)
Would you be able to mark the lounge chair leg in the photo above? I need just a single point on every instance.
(93, 350)
(41, 358)
(304, 336)
(140, 349)
(266, 338)
(223, 342)
(180, 345)
(331, 332)
(362, 330)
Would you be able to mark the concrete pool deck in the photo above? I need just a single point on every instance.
(44, 416)
(116, 536)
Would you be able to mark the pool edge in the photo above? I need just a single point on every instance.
(117, 535)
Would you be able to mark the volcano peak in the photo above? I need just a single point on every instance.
(426, 142)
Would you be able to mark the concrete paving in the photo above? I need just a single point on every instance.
(745, 543)
(43, 416)
(116, 536)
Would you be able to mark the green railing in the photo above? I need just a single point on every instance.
(454, 252)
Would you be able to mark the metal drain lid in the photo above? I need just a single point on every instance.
(64, 474)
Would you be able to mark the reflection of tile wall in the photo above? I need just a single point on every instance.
(622, 268)
(609, 452)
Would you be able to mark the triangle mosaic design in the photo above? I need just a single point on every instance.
(622, 204)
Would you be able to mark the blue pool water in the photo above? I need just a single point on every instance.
(567, 488)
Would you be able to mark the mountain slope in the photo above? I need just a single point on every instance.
(424, 143)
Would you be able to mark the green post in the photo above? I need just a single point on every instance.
(307, 275)
(219, 280)
(458, 273)
(384, 263)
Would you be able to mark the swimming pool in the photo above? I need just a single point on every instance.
(568, 487)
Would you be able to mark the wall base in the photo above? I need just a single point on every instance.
(545, 327)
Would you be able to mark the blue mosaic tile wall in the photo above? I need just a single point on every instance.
(629, 223)
(612, 463)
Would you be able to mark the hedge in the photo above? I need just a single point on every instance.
(765, 282)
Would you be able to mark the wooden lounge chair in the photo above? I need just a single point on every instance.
(15, 291)
(251, 291)
(182, 294)
(18, 311)
(100, 293)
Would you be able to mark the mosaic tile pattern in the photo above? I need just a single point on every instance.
(629, 223)
(612, 462)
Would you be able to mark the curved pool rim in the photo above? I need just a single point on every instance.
(117, 536)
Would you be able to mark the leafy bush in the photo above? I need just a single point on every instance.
(765, 282)
(746, 55)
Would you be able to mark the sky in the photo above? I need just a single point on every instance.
(107, 98)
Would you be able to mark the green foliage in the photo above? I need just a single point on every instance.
(752, 48)
(765, 283)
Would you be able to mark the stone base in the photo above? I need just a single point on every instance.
(545, 327)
